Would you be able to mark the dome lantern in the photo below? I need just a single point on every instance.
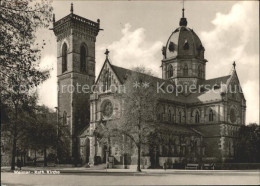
(183, 21)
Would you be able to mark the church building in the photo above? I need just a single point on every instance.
(198, 125)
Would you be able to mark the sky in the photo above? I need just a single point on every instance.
(135, 31)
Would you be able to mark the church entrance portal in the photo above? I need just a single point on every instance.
(87, 149)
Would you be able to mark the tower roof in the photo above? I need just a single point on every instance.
(183, 43)
(73, 21)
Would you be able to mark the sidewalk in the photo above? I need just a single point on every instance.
(131, 171)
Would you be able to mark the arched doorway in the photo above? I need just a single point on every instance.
(87, 149)
(154, 156)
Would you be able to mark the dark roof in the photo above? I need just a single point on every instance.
(179, 128)
(216, 81)
(175, 43)
(121, 73)
(62, 24)
(85, 131)
(209, 95)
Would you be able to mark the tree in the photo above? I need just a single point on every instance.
(103, 132)
(7, 119)
(142, 69)
(137, 120)
(47, 130)
(140, 102)
(18, 120)
(42, 134)
(248, 144)
(19, 57)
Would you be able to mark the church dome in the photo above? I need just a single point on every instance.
(183, 43)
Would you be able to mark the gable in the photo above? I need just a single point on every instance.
(234, 89)
(121, 73)
(107, 78)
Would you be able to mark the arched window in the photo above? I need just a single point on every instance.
(211, 115)
(229, 148)
(64, 119)
(200, 71)
(105, 80)
(170, 71)
(82, 59)
(64, 57)
(109, 80)
(180, 115)
(169, 115)
(159, 112)
(197, 117)
(233, 117)
(185, 70)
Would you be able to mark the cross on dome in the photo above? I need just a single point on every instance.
(183, 21)
(71, 8)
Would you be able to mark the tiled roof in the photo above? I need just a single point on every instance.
(218, 81)
(121, 73)
(210, 94)
(207, 96)
(85, 131)
(179, 128)
(207, 130)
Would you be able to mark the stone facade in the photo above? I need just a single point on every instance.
(214, 133)
(76, 38)
(195, 127)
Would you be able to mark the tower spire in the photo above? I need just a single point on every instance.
(183, 21)
(71, 8)
(183, 9)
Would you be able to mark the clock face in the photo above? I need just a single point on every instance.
(232, 116)
(108, 109)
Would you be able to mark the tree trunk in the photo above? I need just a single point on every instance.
(139, 143)
(35, 158)
(22, 162)
(139, 158)
(24, 158)
(45, 156)
(14, 140)
(13, 153)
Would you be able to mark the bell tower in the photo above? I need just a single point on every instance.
(76, 38)
(183, 56)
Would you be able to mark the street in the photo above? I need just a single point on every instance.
(148, 177)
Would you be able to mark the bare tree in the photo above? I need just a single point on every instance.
(137, 120)
(139, 108)
(144, 70)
